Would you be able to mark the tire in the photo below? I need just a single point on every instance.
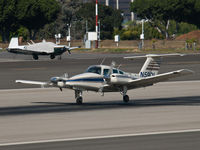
(35, 57)
(126, 98)
(52, 56)
(79, 100)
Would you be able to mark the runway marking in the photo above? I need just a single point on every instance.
(26, 69)
(100, 137)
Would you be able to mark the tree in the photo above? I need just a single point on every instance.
(34, 14)
(8, 20)
(160, 12)
(133, 30)
(66, 17)
(190, 13)
(157, 12)
(109, 18)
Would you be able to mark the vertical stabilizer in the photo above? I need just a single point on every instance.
(150, 67)
(14, 43)
(152, 63)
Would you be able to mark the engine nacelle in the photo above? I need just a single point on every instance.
(60, 84)
(119, 79)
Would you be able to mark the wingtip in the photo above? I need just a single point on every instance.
(17, 81)
(186, 71)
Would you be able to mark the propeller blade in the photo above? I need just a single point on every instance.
(60, 89)
(69, 51)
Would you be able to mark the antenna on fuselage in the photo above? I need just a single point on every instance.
(32, 42)
(119, 66)
(103, 61)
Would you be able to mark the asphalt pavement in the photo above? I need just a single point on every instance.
(175, 141)
(76, 63)
(35, 114)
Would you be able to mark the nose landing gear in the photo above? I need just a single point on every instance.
(125, 97)
(35, 56)
(78, 97)
(52, 56)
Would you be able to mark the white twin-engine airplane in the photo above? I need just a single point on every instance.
(36, 49)
(101, 78)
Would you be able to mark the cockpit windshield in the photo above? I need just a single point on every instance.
(94, 69)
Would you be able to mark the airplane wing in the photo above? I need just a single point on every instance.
(148, 81)
(42, 84)
(71, 48)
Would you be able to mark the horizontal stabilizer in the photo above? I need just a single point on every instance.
(142, 82)
(71, 48)
(154, 56)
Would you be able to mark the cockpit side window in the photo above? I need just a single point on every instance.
(94, 70)
(121, 72)
(115, 71)
(106, 72)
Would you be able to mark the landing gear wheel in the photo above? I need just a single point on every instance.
(79, 100)
(35, 57)
(126, 98)
(52, 56)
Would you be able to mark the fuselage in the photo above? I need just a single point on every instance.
(98, 77)
(36, 49)
(43, 48)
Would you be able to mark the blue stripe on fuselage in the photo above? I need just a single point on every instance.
(87, 80)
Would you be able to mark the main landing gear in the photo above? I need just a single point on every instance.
(35, 57)
(52, 56)
(78, 97)
(125, 97)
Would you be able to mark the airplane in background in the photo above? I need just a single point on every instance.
(36, 49)
(102, 78)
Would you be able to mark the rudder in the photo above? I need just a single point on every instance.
(14, 42)
(150, 67)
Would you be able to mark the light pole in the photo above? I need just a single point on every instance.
(142, 35)
(97, 23)
(132, 13)
(117, 4)
(99, 32)
(69, 35)
(107, 2)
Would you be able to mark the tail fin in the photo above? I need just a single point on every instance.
(152, 63)
(14, 42)
(150, 67)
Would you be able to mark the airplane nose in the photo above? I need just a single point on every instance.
(54, 79)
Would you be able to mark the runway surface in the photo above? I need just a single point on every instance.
(23, 67)
(35, 114)
(47, 114)
(182, 141)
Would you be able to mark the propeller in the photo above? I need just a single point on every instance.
(112, 65)
(68, 50)
(60, 81)
(71, 48)
(107, 78)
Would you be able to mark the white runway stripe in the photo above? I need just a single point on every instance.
(100, 137)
